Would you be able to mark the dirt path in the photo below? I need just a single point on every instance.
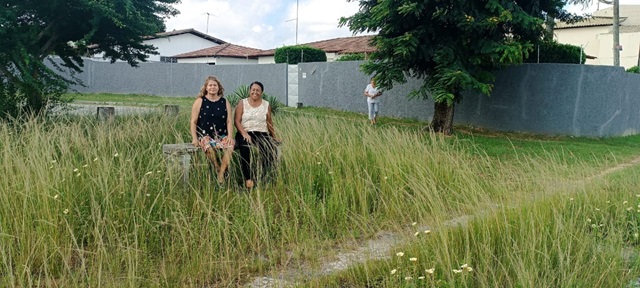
(380, 247)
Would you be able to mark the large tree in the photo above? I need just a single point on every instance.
(453, 45)
(32, 30)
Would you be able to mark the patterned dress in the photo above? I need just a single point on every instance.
(212, 120)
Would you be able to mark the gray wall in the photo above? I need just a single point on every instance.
(174, 79)
(561, 99)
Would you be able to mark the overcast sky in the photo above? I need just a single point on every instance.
(264, 24)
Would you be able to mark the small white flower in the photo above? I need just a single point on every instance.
(598, 209)
(588, 220)
(635, 235)
(78, 175)
(469, 269)
(457, 271)
(408, 278)
(53, 161)
(629, 208)
(570, 199)
(158, 171)
(413, 259)
(625, 202)
(421, 277)
(593, 226)
(148, 173)
(400, 254)
(95, 159)
(75, 169)
(66, 211)
(394, 271)
(330, 172)
(148, 194)
(416, 234)
(55, 197)
(318, 163)
(427, 231)
(464, 266)
(385, 177)
(85, 165)
(430, 271)
(116, 155)
(414, 223)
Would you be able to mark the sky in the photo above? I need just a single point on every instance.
(264, 24)
(268, 24)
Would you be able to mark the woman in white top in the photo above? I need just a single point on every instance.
(372, 94)
(255, 127)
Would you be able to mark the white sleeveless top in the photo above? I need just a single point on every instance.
(254, 118)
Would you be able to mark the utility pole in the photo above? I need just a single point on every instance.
(616, 33)
(297, 6)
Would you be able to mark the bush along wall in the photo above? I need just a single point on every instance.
(634, 69)
(554, 52)
(299, 54)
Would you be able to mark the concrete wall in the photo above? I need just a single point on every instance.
(175, 79)
(561, 99)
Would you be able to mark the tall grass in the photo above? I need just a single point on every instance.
(88, 203)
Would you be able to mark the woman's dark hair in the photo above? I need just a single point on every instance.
(257, 83)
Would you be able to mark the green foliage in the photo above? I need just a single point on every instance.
(32, 31)
(554, 52)
(243, 92)
(299, 54)
(634, 69)
(352, 57)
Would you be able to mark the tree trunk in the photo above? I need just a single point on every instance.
(442, 118)
(550, 23)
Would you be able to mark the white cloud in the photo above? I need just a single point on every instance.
(263, 23)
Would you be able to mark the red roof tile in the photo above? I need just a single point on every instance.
(343, 45)
(224, 50)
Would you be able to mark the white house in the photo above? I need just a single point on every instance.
(224, 54)
(176, 42)
(235, 54)
(596, 37)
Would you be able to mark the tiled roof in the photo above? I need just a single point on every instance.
(224, 50)
(186, 31)
(344, 45)
(589, 22)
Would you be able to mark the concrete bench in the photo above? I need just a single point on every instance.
(180, 155)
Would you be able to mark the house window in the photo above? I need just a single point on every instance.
(168, 59)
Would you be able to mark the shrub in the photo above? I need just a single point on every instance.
(299, 54)
(634, 69)
(352, 57)
(554, 52)
(243, 92)
(10, 101)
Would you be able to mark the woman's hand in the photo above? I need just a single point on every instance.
(246, 137)
(195, 142)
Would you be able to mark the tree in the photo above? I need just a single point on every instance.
(32, 30)
(453, 45)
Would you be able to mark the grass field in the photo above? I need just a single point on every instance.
(92, 204)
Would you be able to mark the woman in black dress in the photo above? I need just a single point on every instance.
(211, 125)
